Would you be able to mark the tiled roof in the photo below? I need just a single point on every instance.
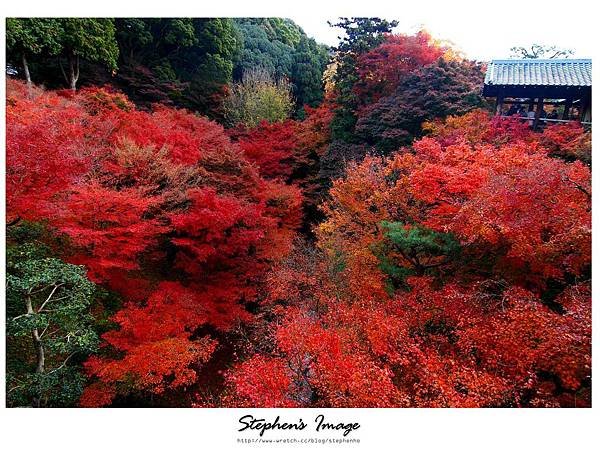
(539, 72)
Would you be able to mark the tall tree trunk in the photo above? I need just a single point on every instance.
(62, 70)
(73, 70)
(27, 74)
(39, 348)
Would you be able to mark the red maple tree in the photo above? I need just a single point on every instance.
(477, 296)
(161, 207)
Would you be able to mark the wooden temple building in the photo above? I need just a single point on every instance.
(530, 87)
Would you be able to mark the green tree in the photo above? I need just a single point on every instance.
(361, 35)
(134, 36)
(266, 44)
(258, 97)
(91, 39)
(153, 42)
(49, 326)
(283, 49)
(414, 250)
(184, 61)
(29, 37)
(212, 69)
(309, 63)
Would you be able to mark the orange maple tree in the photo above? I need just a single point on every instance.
(454, 273)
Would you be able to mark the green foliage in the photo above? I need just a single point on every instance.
(418, 240)
(361, 35)
(397, 274)
(207, 66)
(284, 30)
(60, 388)
(268, 43)
(419, 250)
(91, 39)
(132, 35)
(32, 36)
(49, 325)
(280, 47)
(180, 32)
(310, 60)
(189, 61)
(256, 98)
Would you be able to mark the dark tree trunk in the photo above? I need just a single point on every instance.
(26, 71)
(73, 76)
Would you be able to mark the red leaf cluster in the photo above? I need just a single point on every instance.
(382, 69)
(504, 322)
(160, 206)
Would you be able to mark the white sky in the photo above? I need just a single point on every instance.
(483, 30)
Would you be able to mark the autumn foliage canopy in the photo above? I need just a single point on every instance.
(450, 275)
(160, 207)
(447, 270)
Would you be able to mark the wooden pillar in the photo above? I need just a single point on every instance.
(499, 103)
(568, 103)
(538, 112)
(585, 112)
